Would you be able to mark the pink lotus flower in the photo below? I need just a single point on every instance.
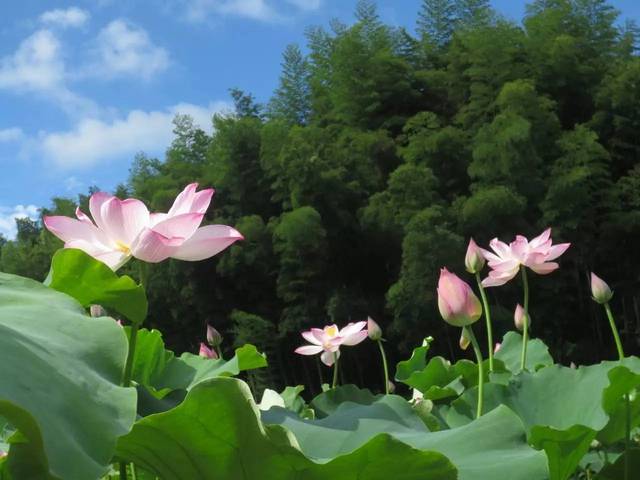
(519, 318)
(329, 339)
(535, 254)
(600, 290)
(207, 352)
(457, 303)
(474, 259)
(125, 229)
(373, 330)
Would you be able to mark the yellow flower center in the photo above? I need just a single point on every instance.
(332, 331)
(123, 248)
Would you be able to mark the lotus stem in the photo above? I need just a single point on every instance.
(384, 367)
(487, 316)
(614, 330)
(478, 352)
(335, 370)
(525, 330)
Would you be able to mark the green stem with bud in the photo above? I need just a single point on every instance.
(487, 316)
(384, 367)
(627, 440)
(478, 352)
(614, 330)
(525, 330)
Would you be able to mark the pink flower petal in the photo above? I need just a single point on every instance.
(83, 216)
(311, 338)
(207, 242)
(179, 226)
(96, 202)
(188, 201)
(557, 250)
(352, 328)
(69, 229)
(152, 247)
(544, 268)
(355, 338)
(319, 334)
(327, 357)
(123, 220)
(309, 349)
(540, 239)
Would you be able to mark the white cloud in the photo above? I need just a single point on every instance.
(95, 140)
(200, 10)
(65, 18)
(13, 134)
(37, 66)
(124, 49)
(8, 216)
(306, 4)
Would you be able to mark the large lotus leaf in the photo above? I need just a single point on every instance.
(511, 349)
(216, 433)
(562, 408)
(90, 281)
(60, 372)
(493, 447)
(328, 402)
(162, 372)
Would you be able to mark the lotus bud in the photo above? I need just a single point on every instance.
(391, 386)
(600, 290)
(519, 318)
(207, 352)
(573, 366)
(374, 330)
(214, 338)
(474, 259)
(457, 303)
(97, 311)
(465, 341)
(497, 348)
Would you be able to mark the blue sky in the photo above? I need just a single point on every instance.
(85, 85)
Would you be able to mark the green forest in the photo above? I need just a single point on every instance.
(377, 158)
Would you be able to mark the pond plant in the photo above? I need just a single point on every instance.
(88, 393)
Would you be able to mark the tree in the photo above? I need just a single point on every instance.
(291, 100)
(436, 21)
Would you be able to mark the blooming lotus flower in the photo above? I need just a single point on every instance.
(474, 259)
(600, 290)
(519, 317)
(329, 339)
(207, 352)
(457, 303)
(535, 254)
(373, 330)
(122, 229)
(213, 336)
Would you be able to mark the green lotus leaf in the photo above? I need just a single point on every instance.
(90, 281)
(217, 433)
(492, 447)
(511, 349)
(61, 371)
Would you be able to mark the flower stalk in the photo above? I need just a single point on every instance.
(478, 352)
(384, 366)
(336, 360)
(525, 330)
(487, 316)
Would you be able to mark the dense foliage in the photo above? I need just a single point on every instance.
(379, 154)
